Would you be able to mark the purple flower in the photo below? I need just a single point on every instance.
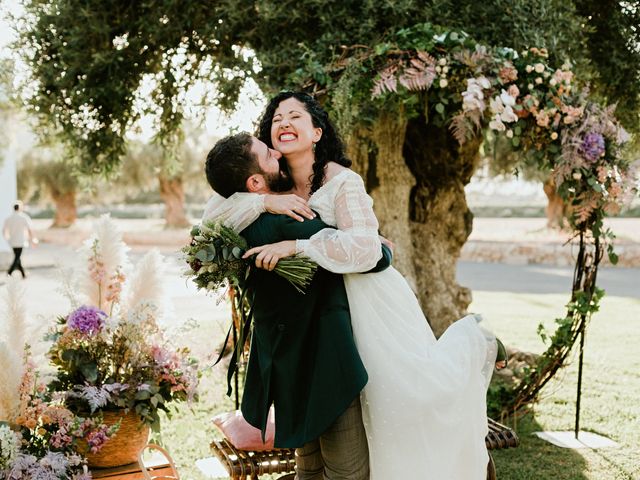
(592, 146)
(86, 319)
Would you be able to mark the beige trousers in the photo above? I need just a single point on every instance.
(341, 453)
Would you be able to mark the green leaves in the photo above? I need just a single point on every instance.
(202, 255)
(79, 365)
(90, 371)
(143, 395)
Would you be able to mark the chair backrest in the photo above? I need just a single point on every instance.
(147, 474)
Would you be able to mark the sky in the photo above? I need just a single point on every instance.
(6, 33)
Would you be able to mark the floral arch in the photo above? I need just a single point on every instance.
(544, 112)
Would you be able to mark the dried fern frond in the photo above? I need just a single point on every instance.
(464, 125)
(465, 57)
(414, 79)
(426, 58)
(387, 82)
(459, 127)
(480, 55)
(584, 205)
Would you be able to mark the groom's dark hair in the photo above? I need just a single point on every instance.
(229, 163)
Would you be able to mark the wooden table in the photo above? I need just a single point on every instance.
(132, 471)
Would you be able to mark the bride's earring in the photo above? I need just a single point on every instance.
(313, 147)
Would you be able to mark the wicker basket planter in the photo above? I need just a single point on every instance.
(124, 446)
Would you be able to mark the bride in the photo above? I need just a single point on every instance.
(424, 407)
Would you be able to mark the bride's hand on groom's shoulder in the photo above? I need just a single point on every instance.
(290, 204)
(267, 256)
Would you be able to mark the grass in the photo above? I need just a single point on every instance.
(610, 399)
(610, 389)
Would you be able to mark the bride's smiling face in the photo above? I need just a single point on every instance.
(292, 129)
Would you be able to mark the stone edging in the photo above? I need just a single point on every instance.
(524, 253)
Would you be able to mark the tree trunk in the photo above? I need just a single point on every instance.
(377, 156)
(416, 174)
(172, 193)
(441, 221)
(66, 212)
(556, 208)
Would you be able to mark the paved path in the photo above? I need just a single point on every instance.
(621, 282)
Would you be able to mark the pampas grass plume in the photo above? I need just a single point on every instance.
(11, 349)
(15, 313)
(10, 378)
(145, 284)
(113, 254)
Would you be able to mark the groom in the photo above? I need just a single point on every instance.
(303, 357)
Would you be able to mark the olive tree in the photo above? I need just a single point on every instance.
(89, 60)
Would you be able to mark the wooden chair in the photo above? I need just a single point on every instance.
(147, 473)
(243, 464)
(499, 436)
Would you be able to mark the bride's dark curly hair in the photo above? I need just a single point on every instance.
(328, 149)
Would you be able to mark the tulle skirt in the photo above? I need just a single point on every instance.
(424, 407)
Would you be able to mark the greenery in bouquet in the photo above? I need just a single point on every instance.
(121, 359)
(215, 259)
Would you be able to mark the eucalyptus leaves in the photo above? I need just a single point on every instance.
(215, 260)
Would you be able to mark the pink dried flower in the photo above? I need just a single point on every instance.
(508, 74)
(114, 288)
(542, 118)
(97, 438)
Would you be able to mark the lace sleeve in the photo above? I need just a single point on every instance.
(355, 246)
(238, 211)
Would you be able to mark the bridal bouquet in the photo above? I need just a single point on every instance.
(215, 259)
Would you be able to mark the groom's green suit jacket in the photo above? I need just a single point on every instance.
(303, 357)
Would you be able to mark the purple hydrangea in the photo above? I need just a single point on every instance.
(592, 146)
(86, 319)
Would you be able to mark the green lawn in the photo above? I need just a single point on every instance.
(610, 393)
(610, 402)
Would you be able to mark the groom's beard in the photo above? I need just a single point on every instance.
(284, 182)
(278, 182)
(275, 181)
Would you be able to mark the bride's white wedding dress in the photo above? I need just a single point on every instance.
(424, 407)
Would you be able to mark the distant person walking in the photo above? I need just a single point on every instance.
(18, 231)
